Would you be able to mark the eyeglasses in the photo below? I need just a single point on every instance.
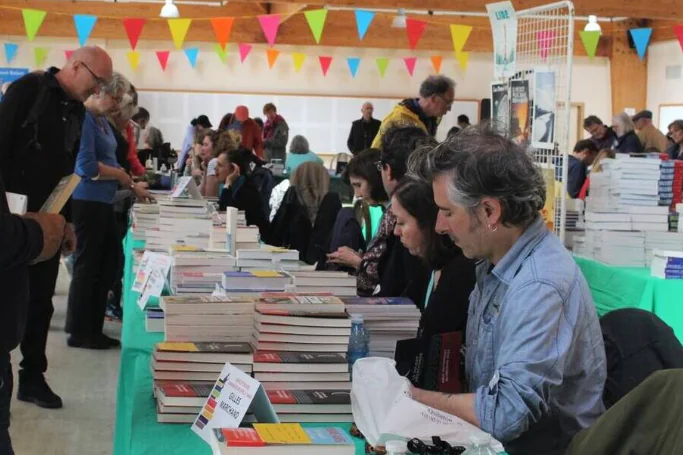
(448, 103)
(101, 82)
(438, 447)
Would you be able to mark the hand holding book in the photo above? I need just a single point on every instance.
(52, 226)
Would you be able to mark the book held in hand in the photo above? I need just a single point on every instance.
(61, 194)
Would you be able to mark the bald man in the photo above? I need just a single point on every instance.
(40, 120)
(363, 131)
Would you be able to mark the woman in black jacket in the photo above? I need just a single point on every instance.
(627, 139)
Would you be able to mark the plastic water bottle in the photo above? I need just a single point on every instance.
(481, 445)
(358, 342)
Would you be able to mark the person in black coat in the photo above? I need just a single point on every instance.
(627, 139)
(363, 131)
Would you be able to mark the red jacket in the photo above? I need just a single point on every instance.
(136, 168)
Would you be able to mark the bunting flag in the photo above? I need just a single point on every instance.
(270, 24)
(363, 20)
(590, 41)
(133, 26)
(162, 56)
(179, 28)
(325, 63)
(414, 29)
(133, 59)
(353, 63)
(40, 54)
(462, 58)
(460, 34)
(244, 51)
(68, 54)
(222, 27)
(316, 22)
(436, 62)
(382, 64)
(191, 53)
(84, 24)
(272, 55)
(11, 50)
(298, 59)
(33, 19)
(641, 38)
(410, 64)
(222, 52)
(545, 40)
(678, 30)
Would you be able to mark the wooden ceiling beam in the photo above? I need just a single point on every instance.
(286, 10)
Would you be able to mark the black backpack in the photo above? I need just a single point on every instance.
(265, 182)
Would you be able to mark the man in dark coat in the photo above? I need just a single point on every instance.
(363, 130)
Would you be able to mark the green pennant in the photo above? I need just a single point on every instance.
(316, 21)
(33, 19)
(590, 41)
(222, 53)
(40, 54)
(382, 63)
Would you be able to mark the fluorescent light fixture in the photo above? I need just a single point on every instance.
(592, 25)
(169, 10)
(400, 19)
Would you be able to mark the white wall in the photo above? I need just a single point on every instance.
(661, 90)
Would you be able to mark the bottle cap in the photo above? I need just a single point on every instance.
(480, 439)
(396, 447)
(357, 318)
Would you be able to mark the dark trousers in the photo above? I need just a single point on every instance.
(6, 383)
(94, 267)
(121, 231)
(43, 279)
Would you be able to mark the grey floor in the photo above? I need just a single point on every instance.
(86, 380)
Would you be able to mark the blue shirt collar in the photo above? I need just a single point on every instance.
(509, 265)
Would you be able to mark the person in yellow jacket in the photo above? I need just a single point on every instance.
(437, 94)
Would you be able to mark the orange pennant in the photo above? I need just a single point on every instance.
(222, 27)
(436, 62)
(272, 54)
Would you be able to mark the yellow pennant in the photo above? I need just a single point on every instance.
(460, 33)
(133, 59)
(179, 28)
(298, 58)
(463, 58)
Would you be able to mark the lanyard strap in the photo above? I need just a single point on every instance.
(430, 288)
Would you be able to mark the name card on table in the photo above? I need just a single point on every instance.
(153, 288)
(234, 393)
(186, 185)
(149, 262)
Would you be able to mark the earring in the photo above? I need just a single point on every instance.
(492, 229)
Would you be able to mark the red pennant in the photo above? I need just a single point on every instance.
(678, 30)
(68, 54)
(133, 28)
(163, 58)
(222, 27)
(325, 63)
(414, 28)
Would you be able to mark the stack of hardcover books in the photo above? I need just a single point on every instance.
(336, 283)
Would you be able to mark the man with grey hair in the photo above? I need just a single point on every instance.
(437, 94)
(535, 357)
(363, 131)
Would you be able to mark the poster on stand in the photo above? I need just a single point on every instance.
(520, 115)
(500, 106)
(545, 110)
(504, 30)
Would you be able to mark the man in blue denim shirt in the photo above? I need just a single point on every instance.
(535, 357)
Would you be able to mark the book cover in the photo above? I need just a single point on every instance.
(377, 301)
(238, 437)
(213, 347)
(299, 357)
(320, 397)
(185, 390)
(329, 436)
(520, 114)
(61, 194)
(282, 433)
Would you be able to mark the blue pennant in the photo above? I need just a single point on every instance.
(11, 50)
(192, 54)
(353, 63)
(363, 20)
(641, 38)
(84, 24)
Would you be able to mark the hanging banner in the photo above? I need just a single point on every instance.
(504, 29)
(9, 75)
(40, 54)
(84, 24)
(68, 54)
(363, 20)
(641, 38)
(316, 22)
(244, 49)
(353, 63)
(500, 106)
(382, 64)
(459, 35)
(162, 56)
(192, 53)
(325, 63)
(414, 29)
(33, 19)
(590, 41)
(11, 50)
(437, 60)
(463, 58)
(133, 59)
(222, 27)
(272, 55)
(133, 26)
(179, 28)
(270, 23)
(678, 30)
(222, 53)
(410, 64)
(519, 112)
(545, 40)
(298, 59)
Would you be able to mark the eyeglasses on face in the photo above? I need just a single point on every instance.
(101, 82)
(446, 101)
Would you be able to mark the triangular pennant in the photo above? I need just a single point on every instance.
(244, 51)
(40, 54)
(436, 62)
(463, 58)
(363, 20)
(179, 28)
(222, 27)
(68, 54)
(382, 63)
(11, 52)
(590, 41)
(410, 64)
(316, 21)
(270, 24)
(353, 63)
(133, 26)
(678, 30)
(298, 58)
(191, 53)
(84, 24)
(459, 34)
(133, 59)
(545, 40)
(33, 19)
(325, 63)
(641, 38)
(414, 29)
(162, 56)
(222, 53)
(272, 55)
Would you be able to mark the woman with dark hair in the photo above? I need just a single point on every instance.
(364, 177)
(675, 150)
(196, 127)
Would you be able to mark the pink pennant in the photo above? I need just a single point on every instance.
(410, 64)
(325, 63)
(270, 24)
(68, 54)
(244, 51)
(545, 39)
(163, 59)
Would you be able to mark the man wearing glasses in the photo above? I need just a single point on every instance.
(437, 94)
(602, 135)
(40, 120)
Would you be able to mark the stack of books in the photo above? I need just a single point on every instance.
(255, 281)
(625, 181)
(145, 217)
(667, 241)
(154, 320)
(280, 439)
(624, 249)
(217, 238)
(196, 270)
(667, 264)
(677, 185)
(237, 235)
(334, 282)
(268, 257)
(574, 221)
(386, 319)
(666, 183)
(202, 317)
(183, 222)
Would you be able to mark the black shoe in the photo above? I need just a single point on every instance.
(35, 390)
(101, 342)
